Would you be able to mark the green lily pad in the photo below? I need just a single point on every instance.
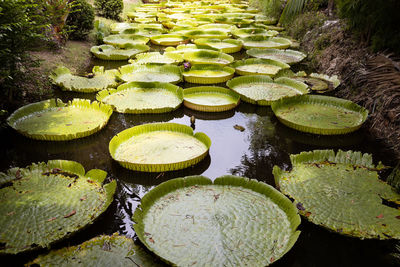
(195, 34)
(115, 250)
(265, 42)
(228, 46)
(101, 79)
(158, 58)
(258, 66)
(143, 97)
(53, 120)
(150, 73)
(287, 56)
(231, 222)
(320, 114)
(147, 32)
(208, 57)
(342, 192)
(47, 202)
(159, 147)
(208, 74)
(124, 40)
(181, 49)
(210, 98)
(217, 26)
(169, 39)
(120, 26)
(262, 90)
(246, 32)
(109, 52)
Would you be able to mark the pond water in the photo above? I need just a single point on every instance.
(251, 153)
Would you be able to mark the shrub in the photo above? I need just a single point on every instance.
(20, 27)
(80, 20)
(376, 22)
(305, 22)
(101, 30)
(109, 8)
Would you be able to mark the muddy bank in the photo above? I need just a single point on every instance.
(369, 79)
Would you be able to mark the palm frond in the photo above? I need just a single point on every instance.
(292, 9)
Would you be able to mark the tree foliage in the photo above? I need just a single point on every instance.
(80, 20)
(109, 8)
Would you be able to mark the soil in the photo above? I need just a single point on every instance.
(369, 79)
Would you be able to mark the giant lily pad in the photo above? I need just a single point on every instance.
(342, 192)
(54, 120)
(143, 97)
(259, 66)
(217, 26)
(287, 56)
(320, 114)
(150, 73)
(194, 34)
(246, 32)
(234, 221)
(109, 52)
(158, 58)
(115, 250)
(47, 202)
(169, 39)
(210, 98)
(208, 74)
(262, 90)
(266, 42)
(123, 40)
(159, 147)
(228, 46)
(101, 79)
(121, 26)
(208, 57)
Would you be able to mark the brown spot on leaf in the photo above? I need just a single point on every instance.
(52, 219)
(380, 216)
(151, 240)
(83, 198)
(308, 214)
(70, 214)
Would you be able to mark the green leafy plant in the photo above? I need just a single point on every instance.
(101, 30)
(111, 9)
(80, 20)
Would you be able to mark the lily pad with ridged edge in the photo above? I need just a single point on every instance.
(63, 78)
(115, 250)
(208, 57)
(181, 49)
(109, 52)
(150, 73)
(158, 58)
(319, 114)
(210, 98)
(47, 202)
(234, 221)
(287, 56)
(262, 90)
(53, 120)
(342, 192)
(120, 26)
(143, 97)
(227, 46)
(265, 42)
(207, 33)
(123, 40)
(147, 32)
(208, 74)
(159, 147)
(246, 32)
(217, 26)
(258, 66)
(169, 39)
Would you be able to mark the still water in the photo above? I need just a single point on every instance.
(251, 153)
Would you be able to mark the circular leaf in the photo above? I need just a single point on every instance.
(233, 221)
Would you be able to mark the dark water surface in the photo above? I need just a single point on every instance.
(251, 153)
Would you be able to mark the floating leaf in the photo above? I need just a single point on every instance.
(159, 147)
(109, 52)
(45, 204)
(228, 46)
(287, 56)
(210, 98)
(320, 114)
(143, 97)
(342, 192)
(258, 66)
(150, 73)
(103, 250)
(233, 221)
(53, 120)
(208, 74)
